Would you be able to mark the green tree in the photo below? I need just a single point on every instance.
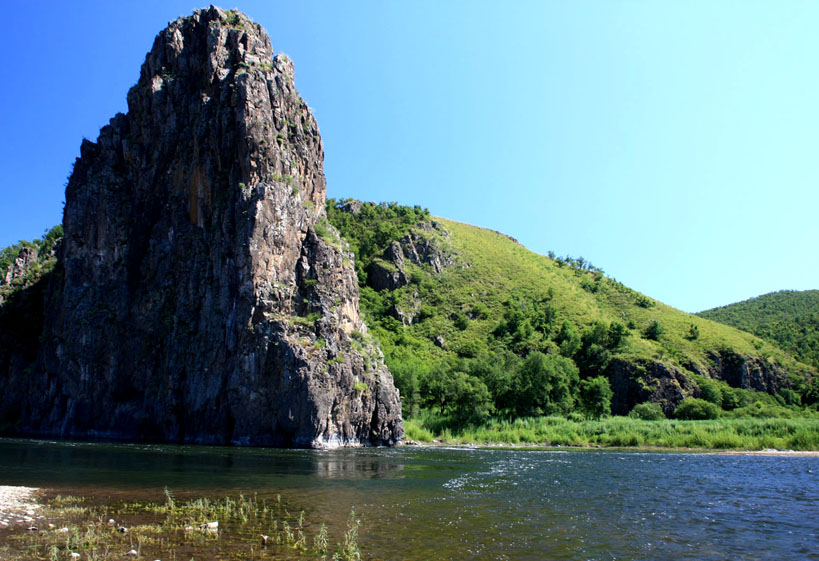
(595, 396)
(457, 393)
(654, 330)
(694, 409)
(617, 334)
(710, 390)
(568, 339)
(544, 384)
(594, 356)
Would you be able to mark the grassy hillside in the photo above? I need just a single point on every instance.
(502, 330)
(482, 334)
(789, 319)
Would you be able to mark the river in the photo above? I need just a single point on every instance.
(472, 504)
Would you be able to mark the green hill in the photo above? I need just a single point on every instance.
(789, 319)
(472, 323)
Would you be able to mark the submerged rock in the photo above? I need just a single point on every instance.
(200, 295)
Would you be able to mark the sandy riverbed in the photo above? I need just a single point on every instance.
(18, 505)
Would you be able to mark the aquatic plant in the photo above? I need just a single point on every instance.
(201, 527)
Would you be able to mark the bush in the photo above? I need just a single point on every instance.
(710, 391)
(544, 384)
(595, 397)
(654, 330)
(694, 409)
(648, 411)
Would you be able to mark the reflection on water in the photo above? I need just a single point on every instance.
(476, 504)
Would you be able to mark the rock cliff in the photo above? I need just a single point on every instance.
(200, 294)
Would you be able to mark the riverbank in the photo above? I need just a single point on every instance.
(760, 435)
(657, 449)
(18, 505)
(75, 528)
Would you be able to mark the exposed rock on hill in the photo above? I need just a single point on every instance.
(422, 246)
(201, 296)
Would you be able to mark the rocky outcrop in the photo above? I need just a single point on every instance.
(201, 295)
(750, 373)
(389, 273)
(425, 245)
(20, 266)
(635, 382)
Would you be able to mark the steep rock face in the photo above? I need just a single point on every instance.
(201, 295)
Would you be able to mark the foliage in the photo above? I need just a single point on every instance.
(788, 319)
(372, 228)
(45, 247)
(743, 433)
(654, 330)
(76, 528)
(694, 409)
(648, 411)
(544, 384)
(595, 397)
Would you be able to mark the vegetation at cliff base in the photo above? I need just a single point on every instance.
(731, 433)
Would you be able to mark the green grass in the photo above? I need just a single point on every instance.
(722, 434)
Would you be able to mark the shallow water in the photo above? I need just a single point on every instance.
(465, 504)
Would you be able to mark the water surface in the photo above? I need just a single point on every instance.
(467, 504)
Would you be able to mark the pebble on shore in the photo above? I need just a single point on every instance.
(17, 506)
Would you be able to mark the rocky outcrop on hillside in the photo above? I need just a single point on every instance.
(201, 296)
(425, 246)
(20, 266)
(634, 382)
(752, 373)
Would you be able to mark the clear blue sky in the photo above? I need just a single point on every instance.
(674, 145)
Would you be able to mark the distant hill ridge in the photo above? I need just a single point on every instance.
(788, 318)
